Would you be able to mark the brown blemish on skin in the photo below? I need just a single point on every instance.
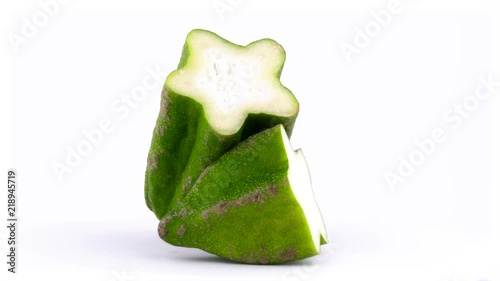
(152, 161)
(252, 197)
(218, 208)
(256, 256)
(273, 189)
(257, 197)
(288, 254)
(201, 176)
(188, 182)
(204, 215)
(182, 212)
(162, 232)
(165, 101)
(221, 207)
(160, 130)
(263, 260)
(205, 172)
(181, 230)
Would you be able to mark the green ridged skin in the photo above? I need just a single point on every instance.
(186, 139)
(243, 207)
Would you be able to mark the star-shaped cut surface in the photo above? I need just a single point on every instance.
(232, 81)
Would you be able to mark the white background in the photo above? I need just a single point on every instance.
(357, 119)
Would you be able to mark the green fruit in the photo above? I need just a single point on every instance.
(220, 94)
(254, 205)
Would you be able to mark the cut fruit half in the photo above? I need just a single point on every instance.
(220, 94)
(232, 81)
(254, 205)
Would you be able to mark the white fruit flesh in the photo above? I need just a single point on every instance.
(231, 81)
(300, 182)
